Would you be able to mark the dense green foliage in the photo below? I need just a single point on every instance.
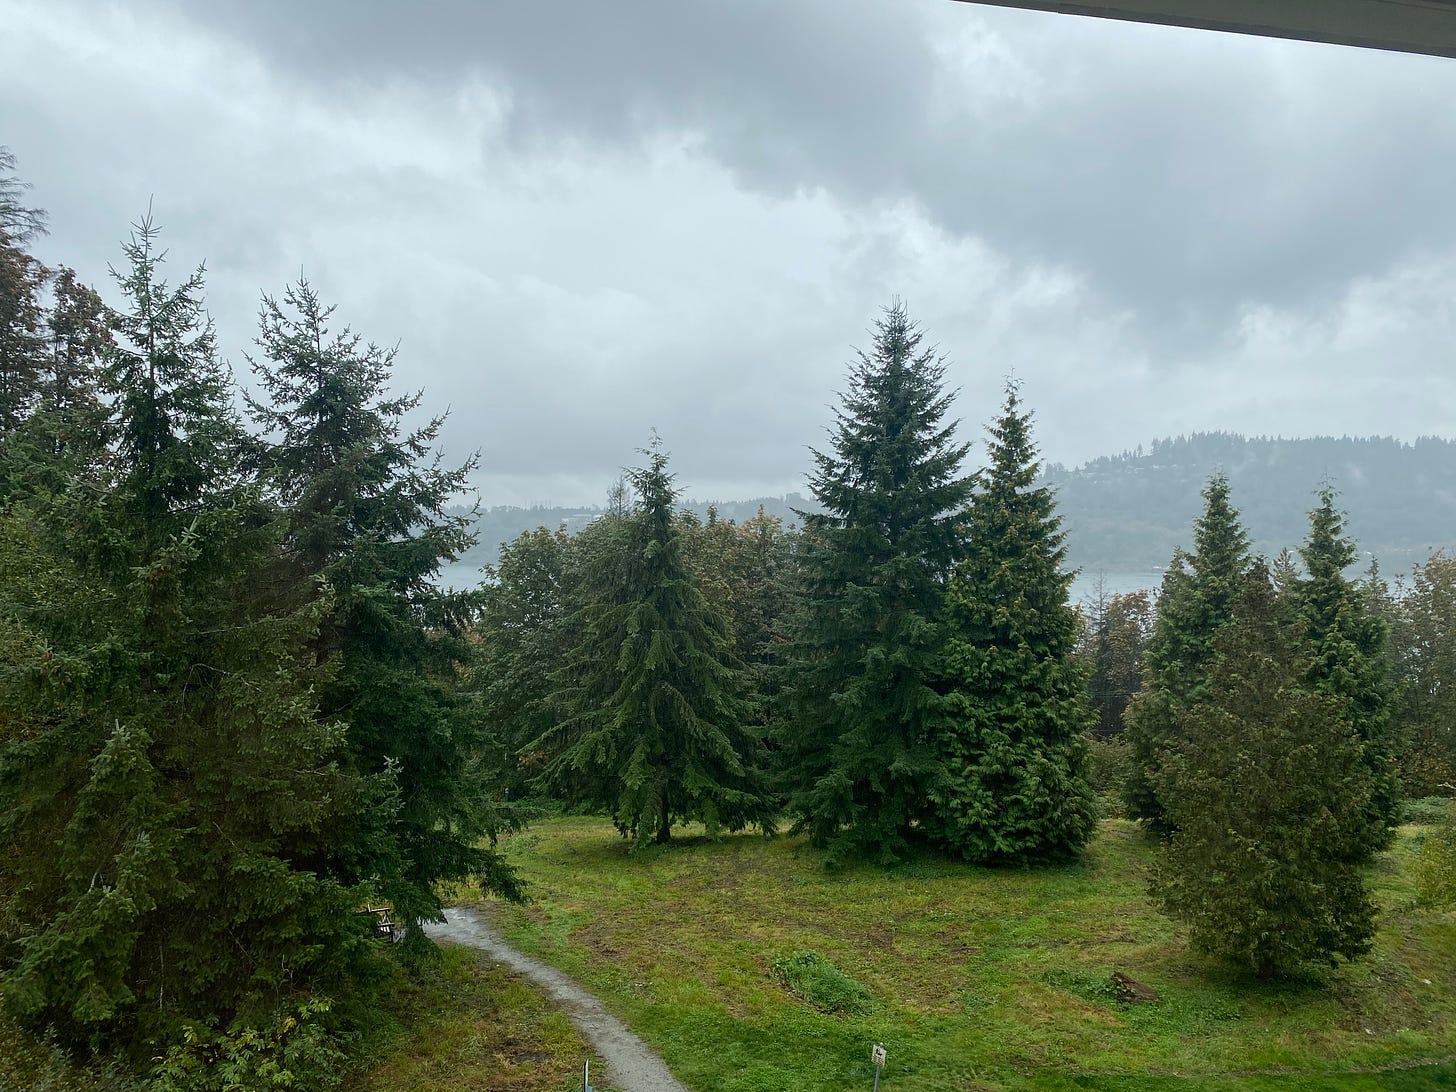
(232, 700)
(1110, 645)
(522, 635)
(1344, 638)
(1196, 602)
(860, 767)
(654, 728)
(366, 522)
(1013, 734)
(1266, 794)
(166, 785)
(1423, 665)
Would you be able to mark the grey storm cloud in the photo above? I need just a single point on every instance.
(581, 221)
(1266, 171)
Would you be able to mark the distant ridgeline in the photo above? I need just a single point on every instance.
(1127, 512)
(503, 523)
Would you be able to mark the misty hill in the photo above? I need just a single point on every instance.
(1127, 512)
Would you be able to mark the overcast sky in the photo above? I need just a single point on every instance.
(582, 221)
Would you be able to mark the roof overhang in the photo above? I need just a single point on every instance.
(1409, 26)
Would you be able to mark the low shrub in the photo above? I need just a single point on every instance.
(294, 1051)
(815, 979)
(1111, 761)
(1424, 810)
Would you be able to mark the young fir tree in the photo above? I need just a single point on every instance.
(1345, 638)
(654, 730)
(1196, 602)
(166, 789)
(858, 756)
(1265, 792)
(366, 519)
(1014, 737)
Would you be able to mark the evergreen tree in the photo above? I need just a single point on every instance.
(655, 732)
(1195, 603)
(1114, 633)
(22, 312)
(859, 759)
(1423, 651)
(1265, 793)
(1346, 643)
(79, 338)
(365, 518)
(167, 793)
(1013, 741)
(748, 570)
(764, 565)
(523, 646)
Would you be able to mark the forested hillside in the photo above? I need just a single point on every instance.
(1127, 512)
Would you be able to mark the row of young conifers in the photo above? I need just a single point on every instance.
(906, 668)
(235, 708)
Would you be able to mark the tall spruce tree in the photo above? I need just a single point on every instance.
(858, 754)
(655, 730)
(1196, 602)
(1265, 793)
(1014, 737)
(167, 793)
(1346, 641)
(366, 519)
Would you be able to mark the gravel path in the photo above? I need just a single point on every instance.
(629, 1062)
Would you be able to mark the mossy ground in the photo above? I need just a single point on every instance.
(979, 979)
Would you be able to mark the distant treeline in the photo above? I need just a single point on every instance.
(1127, 512)
(504, 523)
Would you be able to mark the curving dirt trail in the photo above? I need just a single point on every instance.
(628, 1061)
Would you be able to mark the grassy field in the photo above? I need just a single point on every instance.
(975, 979)
(464, 1026)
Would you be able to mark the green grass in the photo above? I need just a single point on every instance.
(466, 1026)
(977, 979)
